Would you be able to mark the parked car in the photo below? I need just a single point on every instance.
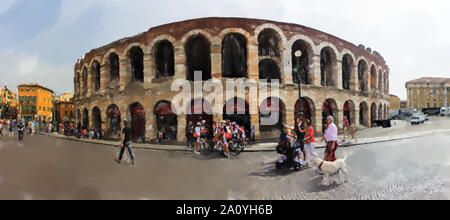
(427, 118)
(418, 119)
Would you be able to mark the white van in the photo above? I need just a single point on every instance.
(443, 111)
(418, 119)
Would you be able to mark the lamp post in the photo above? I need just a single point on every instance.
(299, 73)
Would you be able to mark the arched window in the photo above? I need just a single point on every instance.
(136, 56)
(96, 75)
(301, 64)
(373, 78)
(164, 59)
(85, 84)
(327, 67)
(362, 69)
(269, 70)
(198, 57)
(269, 43)
(114, 65)
(347, 64)
(234, 56)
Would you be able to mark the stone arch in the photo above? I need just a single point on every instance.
(363, 75)
(328, 67)
(194, 33)
(166, 120)
(138, 121)
(271, 116)
(373, 114)
(77, 84)
(234, 55)
(347, 72)
(304, 64)
(269, 70)
(308, 110)
(96, 119)
(373, 78)
(270, 43)
(96, 75)
(350, 111)
(198, 57)
(84, 79)
(380, 112)
(274, 27)
(238, 110)
(113, 122)
(85, 122)
(364, 114)
(164, 58)
(135, 57)
(380, 81)
(329, 107)
(112, 65)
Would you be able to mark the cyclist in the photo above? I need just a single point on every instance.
(197, 134)
(239, 132)
(227, 135)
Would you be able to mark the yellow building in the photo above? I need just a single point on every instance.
(394, 102)
(428, 92)
(8, 103)
(36, 102)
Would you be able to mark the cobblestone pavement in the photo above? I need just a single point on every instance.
(49, 168)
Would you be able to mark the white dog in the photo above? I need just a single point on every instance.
(331, 168)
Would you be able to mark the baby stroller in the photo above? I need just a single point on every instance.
(289, 155)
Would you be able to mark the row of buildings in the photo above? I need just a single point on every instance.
(35, 102)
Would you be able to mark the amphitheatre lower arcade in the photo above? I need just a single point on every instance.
(131, 79)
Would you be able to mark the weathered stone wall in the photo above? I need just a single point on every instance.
(123, 92)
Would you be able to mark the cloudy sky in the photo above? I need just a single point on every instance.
(40, 40)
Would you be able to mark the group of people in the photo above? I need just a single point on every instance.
(301, 137)
(11, 125)
(222, 132)
(69, 129)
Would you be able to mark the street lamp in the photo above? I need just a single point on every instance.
(299, 74)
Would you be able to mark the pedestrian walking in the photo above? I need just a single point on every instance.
(11, 129)
(300, 130)
(346, 128)
(331, 138)
(20, 130)
(310, 143)
(125, 143)
(353, 130)
(190, 134)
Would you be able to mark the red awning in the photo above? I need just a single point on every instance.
(236, 107)
(346, 107)
(326, 106)
(200, 107)
(270, 105)
(113, 112)
(164, 108)
(138, 110)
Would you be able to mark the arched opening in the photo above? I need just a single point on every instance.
(85, 119)
(96, 119)
(373, 78)
(329, 108)
(165, 59)
(114, 65)
(373, 114)
(380, 82)
(328, 67)
(85, 77)
(138, 121)
(362, 78)
(347, 65)
(269, 43)
(301, 65)
(364, 114)
(200, 110)
(78, 116)
(271, 113)
(166, 120)
(349, 111)
(77, 84)
(234, 56)
(95, 75)
(307, 110)
(238, 110)
(136, 56)
(198, 57)
(269, 70)
(114, 122)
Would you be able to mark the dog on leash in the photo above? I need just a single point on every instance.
(328, 169)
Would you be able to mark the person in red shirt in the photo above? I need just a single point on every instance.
(310, 143)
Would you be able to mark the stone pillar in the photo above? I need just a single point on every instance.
(125, 73)
(105, 77)
(181, 134)
(150, 129)
(357, 118)
(149, 70)
(339, 119)
(216, 58)
(316, 70)
(180, 62)
(318, 122)
(338, 74)
(355, 81)
(90, 88)
(289, 117)
(104, 120)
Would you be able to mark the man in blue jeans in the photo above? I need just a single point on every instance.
(126, 143)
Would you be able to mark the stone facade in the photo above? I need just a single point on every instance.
(428, 92)
(108, 80)
(394, 102)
